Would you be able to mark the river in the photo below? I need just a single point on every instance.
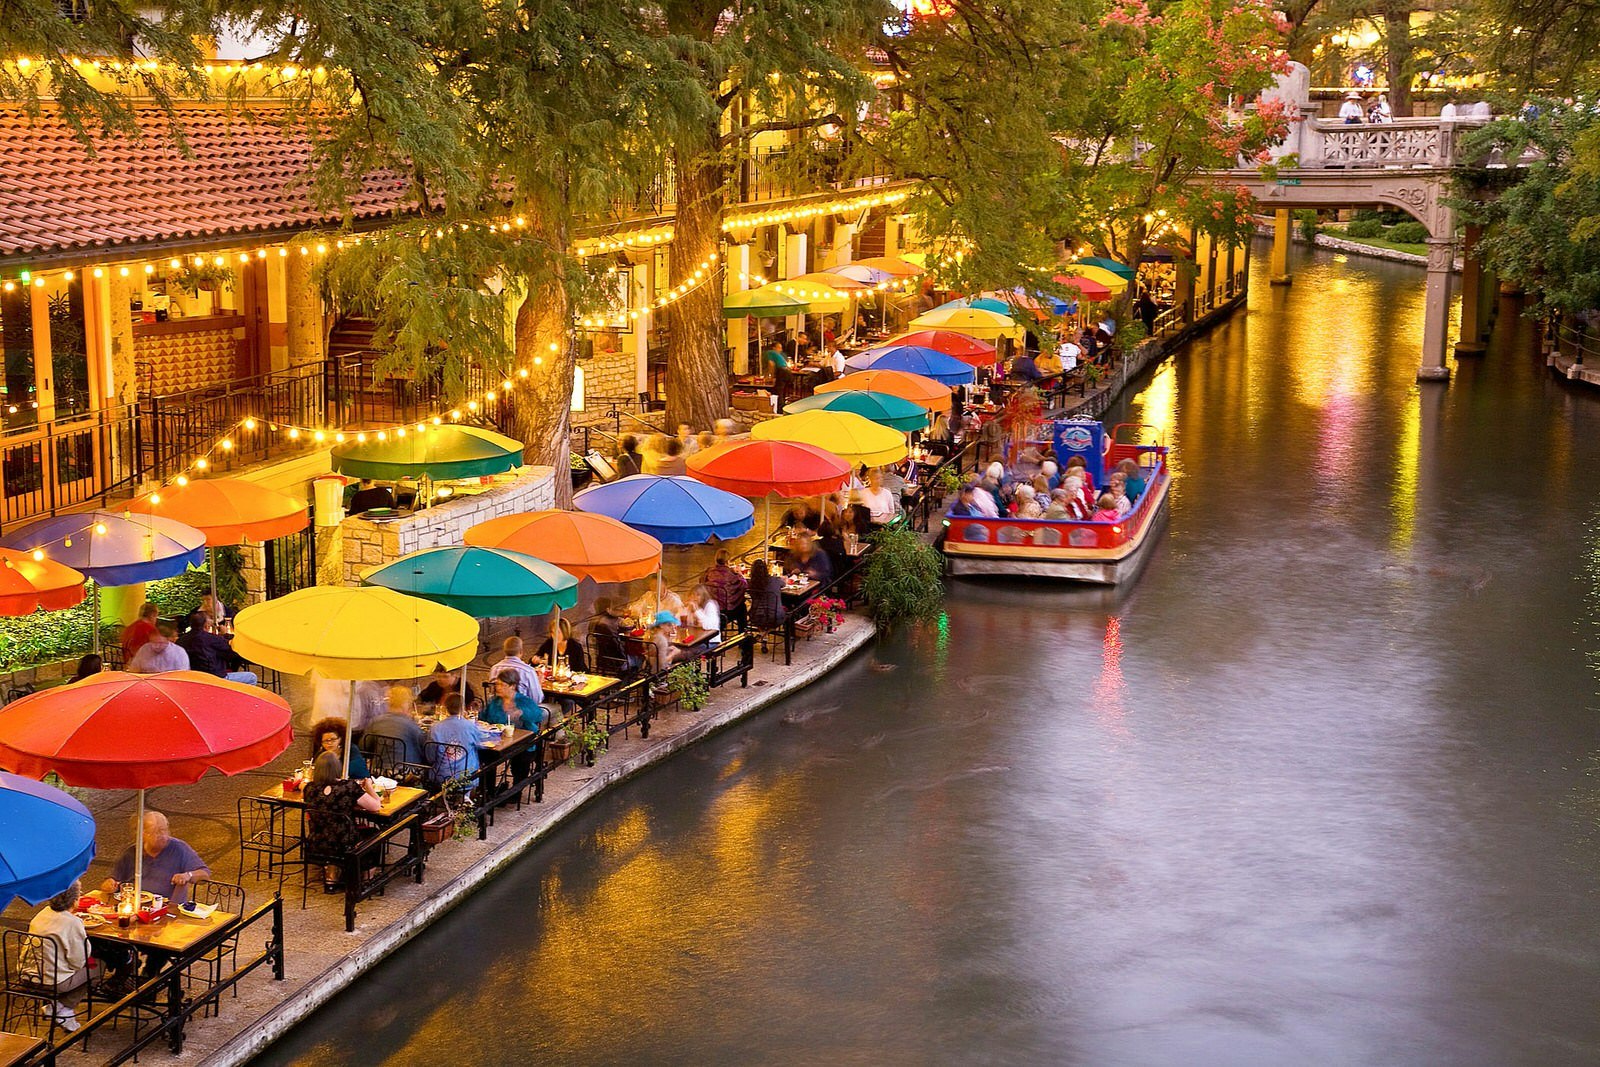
(1320, 788)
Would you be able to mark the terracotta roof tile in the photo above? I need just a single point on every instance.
(241, 176)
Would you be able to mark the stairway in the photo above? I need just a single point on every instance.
(872, 239)
(351, 336)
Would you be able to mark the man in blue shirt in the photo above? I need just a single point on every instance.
(170, 866)
(458, 742)
(397, 723)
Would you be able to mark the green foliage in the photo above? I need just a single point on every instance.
(1364, 228)
(1306, 219)
(49, 636)
(1406, 233)
(905, 577)
(192, 279)
(1542, 232)
(689, 682)
(589, 739)
(950, 479)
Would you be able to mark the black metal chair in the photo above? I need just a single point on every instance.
(229, 898)
(30, 997)
(266, 841)
(386, 757)
(446, 760)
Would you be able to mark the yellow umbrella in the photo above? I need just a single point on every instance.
(974, 322)
(1108, 278)
(844, 433)
(819, 297)
(366, 633)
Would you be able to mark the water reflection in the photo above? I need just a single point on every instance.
(1319, 788)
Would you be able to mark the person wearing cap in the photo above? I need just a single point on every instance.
(1351, 113)
(659, 640)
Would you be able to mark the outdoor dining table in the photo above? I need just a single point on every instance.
(691, 636)
(491, 757)
(396, 803)
(14, 1048)
(593, 685)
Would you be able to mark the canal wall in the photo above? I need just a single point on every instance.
(322, 960)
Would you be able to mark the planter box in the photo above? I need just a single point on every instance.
(438, 829)
(557, 752)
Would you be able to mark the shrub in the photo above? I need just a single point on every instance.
(1408, 233)
(905, 577)
(1364, 228)
(1306, 219)
(1366, 214)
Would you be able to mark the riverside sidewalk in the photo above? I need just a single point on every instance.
(321, 958)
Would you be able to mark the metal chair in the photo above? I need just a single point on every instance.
(266, 844)
(446, 760)
(386, 757)
(30, 999)
(229, 898)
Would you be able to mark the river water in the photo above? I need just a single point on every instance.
(1320, 788)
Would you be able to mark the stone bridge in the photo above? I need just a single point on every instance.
(1404, 165)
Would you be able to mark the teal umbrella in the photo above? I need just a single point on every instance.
(1119, 269)
(882, 408)
(440, 452)
(486, 583)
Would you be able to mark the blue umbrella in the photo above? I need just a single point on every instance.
(46, 840)
(674, 510)
(915, 359)
(982, 303)
(114, 548)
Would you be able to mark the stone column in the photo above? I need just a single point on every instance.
(277, 298)
(305, 340)
(1280, 247)
(1436, 311)
(1473, 295)
(119, 290)
(738, 280)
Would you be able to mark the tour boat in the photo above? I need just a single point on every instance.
(1104, 553)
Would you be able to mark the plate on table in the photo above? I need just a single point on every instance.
(91, 920)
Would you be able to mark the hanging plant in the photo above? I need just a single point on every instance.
(207, 277)
(688, 681)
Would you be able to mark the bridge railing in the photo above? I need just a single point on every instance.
(1402, 144)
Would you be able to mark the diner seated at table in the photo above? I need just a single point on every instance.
(443, 683)
(605, 630)
(628, 462)
(89, 666)
(812, 561)
(571, 649)
(728, 586)
(69, 967)
(510, 707)
(458, 740)
(883, 506)
(327, 735)
(213, 606)
(766, 597)
(801, 513)
(651, 601)
(398, 722)
(331, 830)
(704, 612)
(161, 653)
(511, 660)
(370, 496)
(213, 653)
(658, 647)
(170, 866)
(140, 630)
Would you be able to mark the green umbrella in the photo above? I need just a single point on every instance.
(1119, 269)
(882, 408)
(486, 583)
(762, 304)
(440, 452)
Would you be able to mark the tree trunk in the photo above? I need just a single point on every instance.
(541, 408)
(1397, 43)
(697, 370)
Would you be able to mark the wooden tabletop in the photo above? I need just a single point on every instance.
(806, 588)
(592, 684)
(689, 636)
(14, 1048)
(399, 798)
(173, 934)
(511, 740)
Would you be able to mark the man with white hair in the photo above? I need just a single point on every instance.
(170, 865)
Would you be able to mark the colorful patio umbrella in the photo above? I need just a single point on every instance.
(762, 303)
(354, 634)
(913, 387)
(882, 408)
(674, 510)
(583, 545)
(974, 322)
(841, 283)
(845, 434)
(967, 349)
(228, 511)
(1113, 281)
(754, 468)
(485, 583)
(979, 303)
(863, 273)
(28, 584)
(899, 266)
(113, 548)
(1087, 288)
(1121, 270)
(46, 840)
(438, 452)
(946, 370)
(135, 731)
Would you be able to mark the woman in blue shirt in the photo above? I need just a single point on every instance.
(507, 702)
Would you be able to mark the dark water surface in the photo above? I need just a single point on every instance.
(1320, 788)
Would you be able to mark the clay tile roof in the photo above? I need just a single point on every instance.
(242, 176)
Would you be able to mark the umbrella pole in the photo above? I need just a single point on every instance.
(211, 565)
(138, 853)
(96, 621)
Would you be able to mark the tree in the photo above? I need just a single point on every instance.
(780, 66)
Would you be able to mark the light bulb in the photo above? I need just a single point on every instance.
(338, 438)
(319, 437)
(227, 444)
(381, 436)
(249, 424)
(155, 498)
(38, 556)
(401, 432)
(294, 433)
(99, 527)
(361, 438)
(182, 480)
(201, 464)
(67, 542)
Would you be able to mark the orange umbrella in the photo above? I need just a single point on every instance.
(28, 584)
(579, 542)
(913, 387)
(227, 510)
(896, 265)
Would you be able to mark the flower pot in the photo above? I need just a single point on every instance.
(439, 828)
(556, 752)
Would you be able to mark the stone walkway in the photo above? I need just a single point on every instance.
(321, 957)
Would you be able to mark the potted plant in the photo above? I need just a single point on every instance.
(904, 577)
(558, 748)
(204, 277)
(689, 682)
(456, 817)
(828, 611)
(589, 739)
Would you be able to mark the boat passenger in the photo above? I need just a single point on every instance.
(1134, 475)
(1027, 503)
(1076, 465)
(1058, 505)
(986, 497)
(1080, 505)
(1117, 486)
(966, 506)
(1107, 511)
(1052, 474)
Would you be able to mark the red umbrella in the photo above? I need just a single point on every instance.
(133, 731)
(28, 584)
(1087, 288)
(755, 468)
(966, 349)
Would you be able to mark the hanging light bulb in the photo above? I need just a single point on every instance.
(99, 527)
(227, 444)
(182, 480)
(155, 498)
(319, 437)
(249, 424)
(294, 433)
(38, 555)
(201, 464)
